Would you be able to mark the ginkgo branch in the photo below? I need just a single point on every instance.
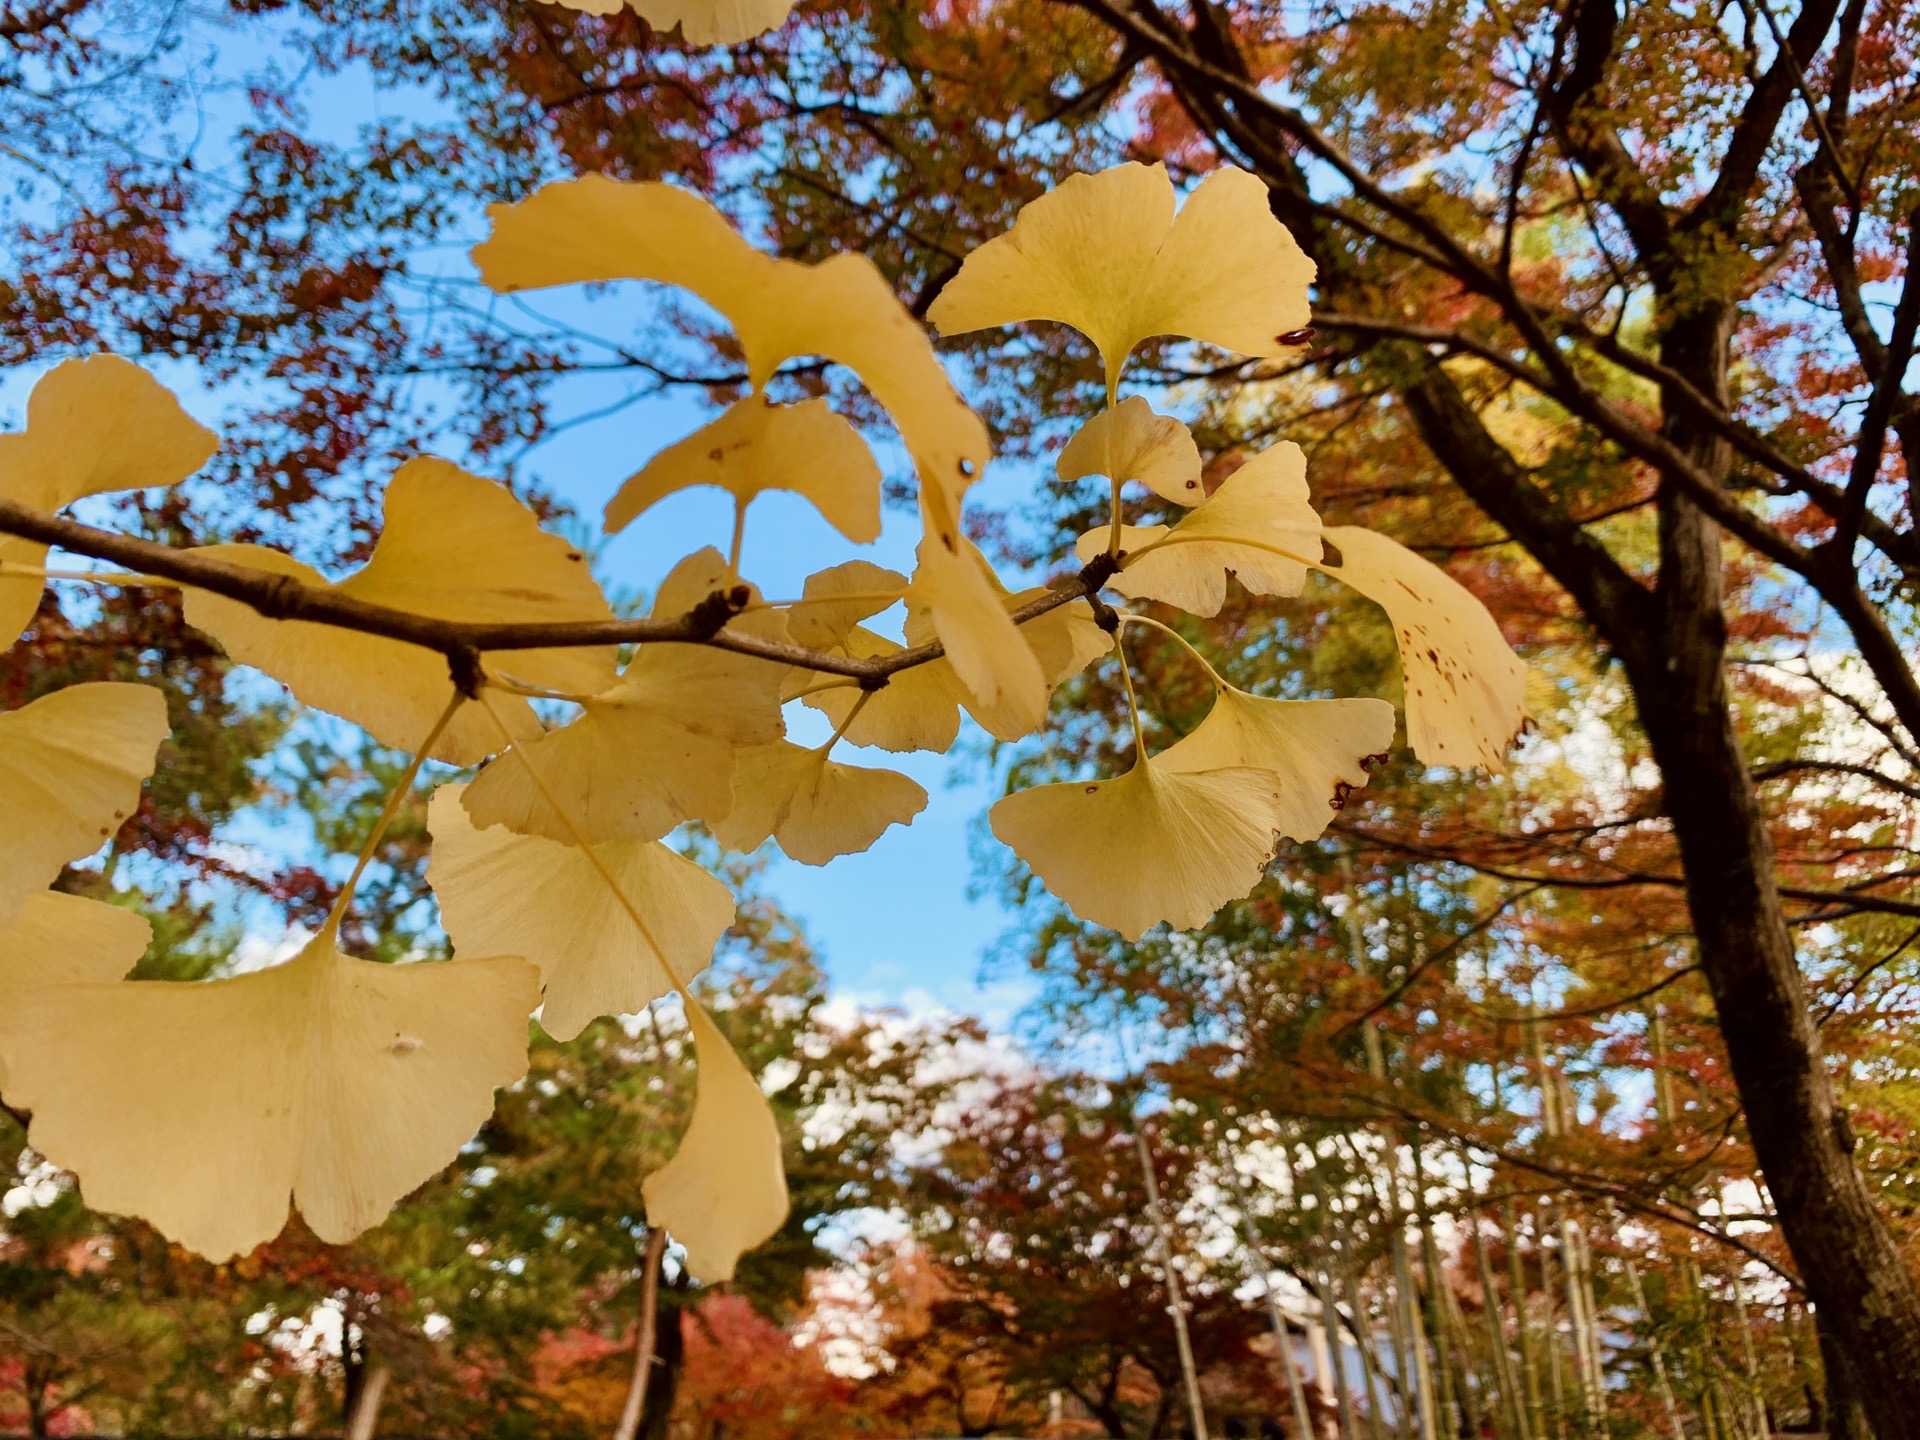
(284, 597)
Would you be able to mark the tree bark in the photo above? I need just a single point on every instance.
(643, 1343)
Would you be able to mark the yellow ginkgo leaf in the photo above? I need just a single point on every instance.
(1466, 691)
(93, 426)
(917, 709)
(701, 22)
(1259, 525)
(815, 807)
(954, 592)
(1065, 640)
(1316, 749)
(1148, 847)
(57, 939)
(71, 767)
(836, 600)
(756, 446)
(654, 749)
(507, 894)
(1106, 254)
(336, 1084)
(725, 1190)
(842, 309)
(454, 547)
(1131, 442)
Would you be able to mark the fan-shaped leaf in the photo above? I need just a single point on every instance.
(455, 547)
(507, 894)
(1106, 254)
(71, 767)
(335, 1084)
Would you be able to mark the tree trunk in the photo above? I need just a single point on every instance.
(643, 1342)
(1843, 1250)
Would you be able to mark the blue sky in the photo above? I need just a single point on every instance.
(894, 925)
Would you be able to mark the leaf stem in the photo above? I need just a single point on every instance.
(1175, 538)
(841, 728)
(852, 597)
(94, 577)
(583, 845)
(739, 534)
(395, 796)
(1133, 701)
(1131, 619)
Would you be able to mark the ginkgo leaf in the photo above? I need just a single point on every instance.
(1106, 254)
(1259, 525)
(1316, 749)
(654, 749)
(1148, 847)
(507, 894)
(835, 601)
(954, 591)
(93, 426)
(57, 939)
(1065, 640)
(1466, 691)
(701, 22)
(842, 309)
(725, 1190)
(815, 807)
(335, 1084)
(71, 767)
(454, 547)
(756, 446)
(1131, 442)
(917, 709)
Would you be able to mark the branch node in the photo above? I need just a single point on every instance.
(1104, 615)
(469, 676)
(1097, 571)
(710, 616)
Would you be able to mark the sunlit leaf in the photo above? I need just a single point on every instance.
(333, 1084)
(56, 939)
(1148, 847)
(455, 547)
(842, 309)
(954, 590)
(1259, 525)
(1466, 691)
(1131, 442)
(838, 599)
(756, 446)
(701, 22)
(917, 709)
(507, 894)
(1316, 750)
(657, 747)
(71, 767)
(1106, 254)
(93, 426)
(725, 1190)
(815, 807)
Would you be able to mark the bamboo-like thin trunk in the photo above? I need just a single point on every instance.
(1362, 1328)
(366, 1405)
(1176, 1306)
(1658, 1351)
(1554, 1377)
(1761, 1427)
(1282, 1339)
(1513, 1397)
(634, 1410)
(1522, 1331)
